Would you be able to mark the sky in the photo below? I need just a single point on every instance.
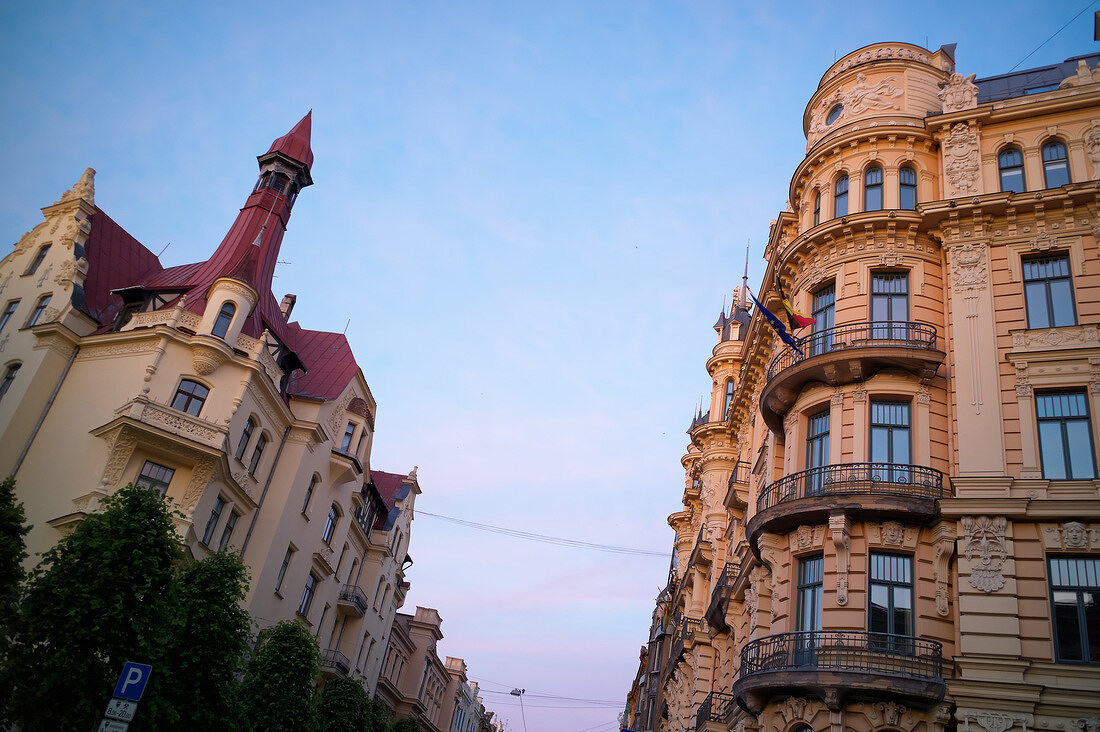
(525, 218)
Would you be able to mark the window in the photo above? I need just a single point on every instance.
(212, 522)
(834, 114)
(1065, 439)
(1075, 602)
(307, 594)
(246, 435)
(840, 197)
(889, 305)
(330, 524)
(1011, 164)
(257, 453)
(810, 572)
(39, 309)
(9, 310)
(190, 397)
(823, 311)
(227, 532)
(38, 259)
(890, 440)
(309, 492)
(283, 568)
(907, 187)
(155, 477)
(1048, 291)
(729, 399)
(891, 604)
(817, 450)
(349, 432)
(817, 207)
(872, 189)
(225, 317)
(9, 377)
(1055, 164)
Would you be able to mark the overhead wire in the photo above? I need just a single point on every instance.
(1025, 58)
(545, 539)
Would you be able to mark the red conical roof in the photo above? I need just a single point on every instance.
(295, 144)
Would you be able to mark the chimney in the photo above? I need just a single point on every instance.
(287, 305)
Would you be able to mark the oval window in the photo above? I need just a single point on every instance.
(834, 113)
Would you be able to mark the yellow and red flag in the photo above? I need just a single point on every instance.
(795, 318)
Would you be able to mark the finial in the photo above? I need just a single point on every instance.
(83, 188)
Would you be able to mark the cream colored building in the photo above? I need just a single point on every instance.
(896, 525)
(195, 382)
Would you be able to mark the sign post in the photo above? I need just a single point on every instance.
(123, 705)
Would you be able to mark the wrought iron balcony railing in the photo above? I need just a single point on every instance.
(740, 474)
(691, 626)
(890, 333)
(894, 479)
(729, 574)
(715, 708)
(334, 660)
(845, 650)
(355, 597)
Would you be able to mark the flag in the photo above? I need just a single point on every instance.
(777, 325)
(796, 319)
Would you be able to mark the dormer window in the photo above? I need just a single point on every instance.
(349, 432)
(225, 318)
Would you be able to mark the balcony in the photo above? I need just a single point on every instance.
(833, 665)
(740, 474)
(334, 663)
(716, 708)
(720, 595)
(882, 490)
(353, 599)
(846, 354)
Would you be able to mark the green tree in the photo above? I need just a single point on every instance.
(206, 648)
(278, 688)
(344, 706)
(13, 550)
(406, 724)
(95, 602)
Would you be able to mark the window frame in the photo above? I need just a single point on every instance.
(10, 374)
(1065, 445)
(1047, 290)
(1082, 622)
(817, 207)
(841, 196)
(9, 312)
(227, 531)
(1011, 170)
(314, 481)
(727, 399)
(892, 585)
(806, 584)
(904, 186)
(309, 591)
(155, 482)
(284, 567)
(39, 258)
(224, 319)
(1048, 164)
(212, 522)
(40, 306)
(257, 454)
(349, 435)
(877, 187)
(246, 437)
(189, 397)
(332, 520)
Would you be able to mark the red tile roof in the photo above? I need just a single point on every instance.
(115, 260)
(391, 486)
(327, 356)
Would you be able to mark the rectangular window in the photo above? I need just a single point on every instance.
(9, 378)
(817, 451)
(307, 594)
(1065, 435)
(891, 604)
(212, 522)
(190, 396)
(246, 436)
(257, 453)
(283, 568)
(9, 310)
(824, 305)
(810, 572)
(1048, 291)
(227, 532)
(309, 493)
(154, 477)
(38, 259)
(349, 432)
(39, 309)
(1075, 604)
(889, 305)
(890, 438)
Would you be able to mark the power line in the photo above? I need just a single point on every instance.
(1025, 58)
(554, 696)
(543, 538)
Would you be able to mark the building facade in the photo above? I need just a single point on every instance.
(894, 523)
(194, 381)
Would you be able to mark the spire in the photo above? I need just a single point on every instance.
(745, 279)
(295, 144)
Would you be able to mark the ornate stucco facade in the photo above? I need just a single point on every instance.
(895, 525)
(195, 382)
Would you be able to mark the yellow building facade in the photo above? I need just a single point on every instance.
(195, 382)
(892, 523)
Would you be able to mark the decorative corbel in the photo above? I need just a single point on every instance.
(841, 529)
(943, 546)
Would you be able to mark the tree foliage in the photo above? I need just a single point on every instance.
(344, 706)
(406, 724)
(13, 550)
(278, 688)
(95, 602)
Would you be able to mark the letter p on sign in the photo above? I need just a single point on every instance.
(132, 681)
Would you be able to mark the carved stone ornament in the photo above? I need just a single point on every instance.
(1090, 724)
(942, 548)
(206, 359)
(993, 721)
(958, 93)
(889, 712)
(1068, 336)
(1092, 144)
(962, 160)
(83, 188)
(893, 533)
(804, 537)
(879, 54)
(752, 604)
(841, 530)
(1072, 535)
(794, 708)
(201, 475)
(986, 551)
(969, 270)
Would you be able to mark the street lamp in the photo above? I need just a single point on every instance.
(523, 716)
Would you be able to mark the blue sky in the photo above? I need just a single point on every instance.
(530, 214)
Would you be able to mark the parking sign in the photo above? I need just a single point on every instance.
(132, 681)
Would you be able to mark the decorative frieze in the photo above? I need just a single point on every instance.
(1072, 535)
(1049, 339)
(986, 550)
(881, 53)
(889, 713)
(806, 538)
(969, 267)
(962, 161)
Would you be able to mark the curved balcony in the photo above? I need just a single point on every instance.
(880, 490)
(833, 665)
(846, 354)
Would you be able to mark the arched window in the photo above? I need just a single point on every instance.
(225, 317)
(840, 197)
(190, 396)
(1010, 161)
(246, 436)
(257, 453)
(330, 524)
(872, 189)
(9, 377)
(349, 432)
(817, 207)
(1055, 164)
(907, 187)
(729, 399)
(309, 492)
(803, 728)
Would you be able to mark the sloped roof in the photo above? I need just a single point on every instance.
(392, 488)
(115, 260)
